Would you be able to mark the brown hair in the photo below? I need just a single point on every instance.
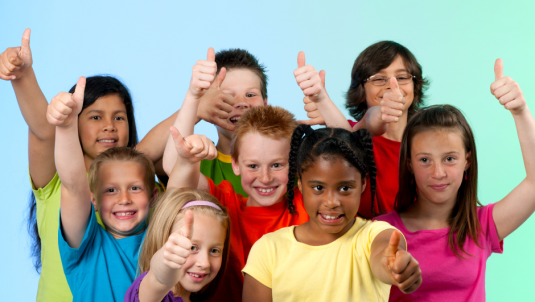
(373, 59)
(463, 221)
(125, 154)
(167, 213)
(270, 121)
(236, 58)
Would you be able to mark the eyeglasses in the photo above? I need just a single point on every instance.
(379, 80)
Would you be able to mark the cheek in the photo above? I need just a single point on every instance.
(215, 265)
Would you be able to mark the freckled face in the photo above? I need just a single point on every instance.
(438, 161)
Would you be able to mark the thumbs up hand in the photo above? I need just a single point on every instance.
(405, 271)
(203, 74)
(393, 103)
(507, 91)
(215, 105)
(309, 80)
(64, 108)
(14, 61)
(193, 148)
(178, 246)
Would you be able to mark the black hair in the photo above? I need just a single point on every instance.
(355, 147)
(241, 58)
(96, 87)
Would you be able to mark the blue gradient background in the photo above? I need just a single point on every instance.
(152, 47)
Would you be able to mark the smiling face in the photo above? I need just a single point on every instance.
(204, 262)
(122, 197)
(103, 125)
(374, 94)
(263, 166)
(438, 161)
(331, 194)
(244, 85)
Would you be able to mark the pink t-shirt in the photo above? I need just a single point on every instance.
(445, 276)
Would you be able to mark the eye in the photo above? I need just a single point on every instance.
(135, 188)
(345, 188)
(250, 95)
(378, 79)
(277, 165)
(253, 166)
(317, 188)
(424, 160)
(96, 117)
(194, 248)
(111, 190)
(215, 251)
(450, 159)
(119, 118)
(402, 77)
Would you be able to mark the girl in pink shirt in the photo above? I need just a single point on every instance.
(437, 209)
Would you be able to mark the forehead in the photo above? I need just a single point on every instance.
(396, 66)
(256, 146)
(438, 141)
(111, 102)
(331, 169)
(241, 78)
(121, 172)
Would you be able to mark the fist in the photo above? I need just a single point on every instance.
(64, 108)
(203, 74)
(16, 60)
(507, 91)
(404, 271)
(178, 246)
(393, 103)
(309, 80)
(193, 148)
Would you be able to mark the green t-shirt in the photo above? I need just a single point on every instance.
(220, 169)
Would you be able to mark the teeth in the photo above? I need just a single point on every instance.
(124, 214)
(265, 190)
(195, 275)
(330, 217)
(235, 119)
(107, 141)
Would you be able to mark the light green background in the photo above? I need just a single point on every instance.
(152, 47)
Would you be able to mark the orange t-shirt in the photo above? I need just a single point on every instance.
(248, 224)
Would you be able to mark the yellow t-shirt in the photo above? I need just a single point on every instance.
(338, 271)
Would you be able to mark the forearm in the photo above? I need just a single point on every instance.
(158, 281)
(333, 117)
(33, 105)
(525, 127)
(153, 144)
(69, 159)
(184, 174)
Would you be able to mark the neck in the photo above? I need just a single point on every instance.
(223, 144)
(309, 233)
(395, 130)
(185, 295)
(426, 215)
(87, 160)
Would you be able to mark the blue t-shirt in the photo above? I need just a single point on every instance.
(102, 267)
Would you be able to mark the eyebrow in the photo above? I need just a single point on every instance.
(425, 153)
(344, 182)
(102, 112)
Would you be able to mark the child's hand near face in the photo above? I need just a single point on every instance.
(309, 80)
(507, 91)
(405, 271)
(203, 74)
(193, 148)
(14, 61)
(178, 246)
(65, 107)
(215, 105)
(393, 103)
(312, 110)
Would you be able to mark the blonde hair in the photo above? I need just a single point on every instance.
(270, 121)
(167, 213)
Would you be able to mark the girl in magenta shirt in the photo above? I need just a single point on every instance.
(447, 230)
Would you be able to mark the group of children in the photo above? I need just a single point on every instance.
(384, 208)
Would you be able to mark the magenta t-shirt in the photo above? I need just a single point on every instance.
(132, 295)
(446, 277)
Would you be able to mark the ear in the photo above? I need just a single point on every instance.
(235, 167)
(299, 185)
(94, 202)
(155, 194)
(364, 183)
(468, 156)
(265, 102)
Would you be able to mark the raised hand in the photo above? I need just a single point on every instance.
(178, 246)
(405, 271)
(309, 80)
(15, 60)
(311, 108)
(506, 90)
(203, 74)
(215, 105)
(193, 148)
(393, 103)
(65, 107)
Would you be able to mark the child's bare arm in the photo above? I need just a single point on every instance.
(75, 196)
(515, 208)
(166, 263)
(16, 66)
(253, 290)
(392, 264)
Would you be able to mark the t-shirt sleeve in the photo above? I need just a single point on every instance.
(369, 233)
(132, 294)
(486, 219)
(71, 257)
(352, 123)
(260, 262)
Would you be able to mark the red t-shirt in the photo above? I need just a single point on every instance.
(386, 155)
(248, 224)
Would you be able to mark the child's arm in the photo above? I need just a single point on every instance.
(75, 196)
(166, 263)
(16, 66)
(515, 208)
(253, 290)
(392, 264)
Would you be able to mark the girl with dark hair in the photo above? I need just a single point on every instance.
(335, 256)
(437, 208)
(387, 87)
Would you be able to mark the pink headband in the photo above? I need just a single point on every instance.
(201, 203)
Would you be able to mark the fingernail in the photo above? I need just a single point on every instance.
(397, 119)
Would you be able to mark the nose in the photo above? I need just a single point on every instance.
(124, 198)
(330, 201)
(242, 104)
(438, 171)
(265, 175)
(201, 260)
(109, 125)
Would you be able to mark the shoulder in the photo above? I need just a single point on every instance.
(50, 191)
(391, 218)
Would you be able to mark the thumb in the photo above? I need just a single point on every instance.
(498, 69)
(322, 77)
(220, 77)
(187, 229)
(179, 140)
(25, 44)
(78, 95)
(394, 85)
(392, 248)
(211, 55)
(300, 59)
